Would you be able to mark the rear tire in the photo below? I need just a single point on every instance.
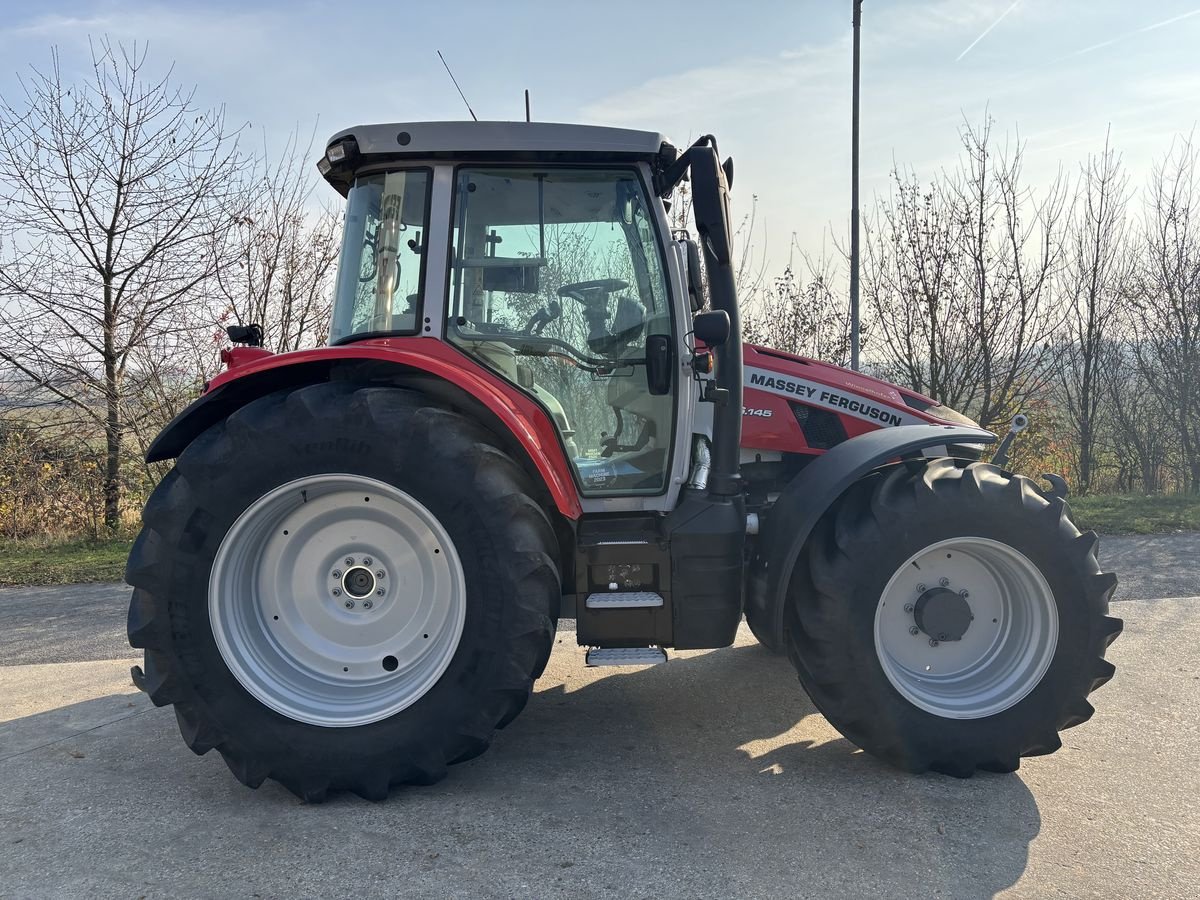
(999, 690)
(271, 705)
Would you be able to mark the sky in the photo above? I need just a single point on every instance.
(771, 78)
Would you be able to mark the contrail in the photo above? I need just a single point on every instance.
(971, 45)
(1129, 34)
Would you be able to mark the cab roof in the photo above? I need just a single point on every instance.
(440, 139)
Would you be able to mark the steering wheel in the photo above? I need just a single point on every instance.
(585, 291)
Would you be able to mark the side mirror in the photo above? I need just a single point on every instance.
(658, 364)
(711, 327)
(710, 205)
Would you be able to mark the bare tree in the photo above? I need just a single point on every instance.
(286, 252)
(1090, 292)
(801, 312)
(957, 278)
(913, 299)
(1139, 429)
(115, 190)
(1164, 291)
(750, 277)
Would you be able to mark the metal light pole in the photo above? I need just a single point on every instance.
(854, 319)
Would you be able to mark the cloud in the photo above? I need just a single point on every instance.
(818, 71)
(53, 24)
(700, 89)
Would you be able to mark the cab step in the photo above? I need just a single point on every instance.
(624, 600)
(626, 656)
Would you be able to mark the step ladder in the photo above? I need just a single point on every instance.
(625, 656)
(623, 600)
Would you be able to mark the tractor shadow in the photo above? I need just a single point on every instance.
(723, 752)
(711, 776)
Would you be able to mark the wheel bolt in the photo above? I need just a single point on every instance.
(366, 604)
(943, 581)
(349, 560)
(349, 604)
(381, 574)
(964, 594)
(933, 642)
(379, 593)
(366, 560)
(336, 573)
(920, 588)
(914, 630)
(337, 591)
(908, 607)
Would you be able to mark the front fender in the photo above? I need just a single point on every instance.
(442, 369)
(811, 493)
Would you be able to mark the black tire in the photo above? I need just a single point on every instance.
(480, 496)
(875, 529)
(762, 632)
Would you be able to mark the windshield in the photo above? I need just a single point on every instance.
(556, 281)
(382, 266)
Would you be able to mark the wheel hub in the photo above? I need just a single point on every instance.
(942, 614)
(359, 582)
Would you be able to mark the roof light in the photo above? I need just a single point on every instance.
(324, 165)
(342, 151)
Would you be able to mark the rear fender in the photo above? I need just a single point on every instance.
(445, 373)
(815, 490)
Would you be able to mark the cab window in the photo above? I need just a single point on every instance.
(382, 265)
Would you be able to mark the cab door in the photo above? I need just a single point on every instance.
(558, 281)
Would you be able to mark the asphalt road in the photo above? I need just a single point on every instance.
(709, 776)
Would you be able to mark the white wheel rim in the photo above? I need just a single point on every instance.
(337, 600)
(1004, 651)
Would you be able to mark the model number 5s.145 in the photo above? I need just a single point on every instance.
(761, 413)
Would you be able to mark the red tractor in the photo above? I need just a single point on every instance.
(536, 404)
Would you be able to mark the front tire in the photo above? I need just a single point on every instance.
(343, 588)
(951, 618)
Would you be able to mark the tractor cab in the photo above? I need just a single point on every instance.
(543, 252)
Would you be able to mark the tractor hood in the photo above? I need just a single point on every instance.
(848, 379)
(796, 404)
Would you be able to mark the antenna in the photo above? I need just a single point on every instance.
(527, 119)
(455, 80)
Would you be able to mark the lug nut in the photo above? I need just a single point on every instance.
(336, 573)
(381, 574)
(933, 642)
(349, 560)
(366, 604)
(914, 630)
(349, 604)
(337, 591)
(366, 560)
(964, 594)
(379, 593)
(920, 588)
(943, 581)
(908, 607)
